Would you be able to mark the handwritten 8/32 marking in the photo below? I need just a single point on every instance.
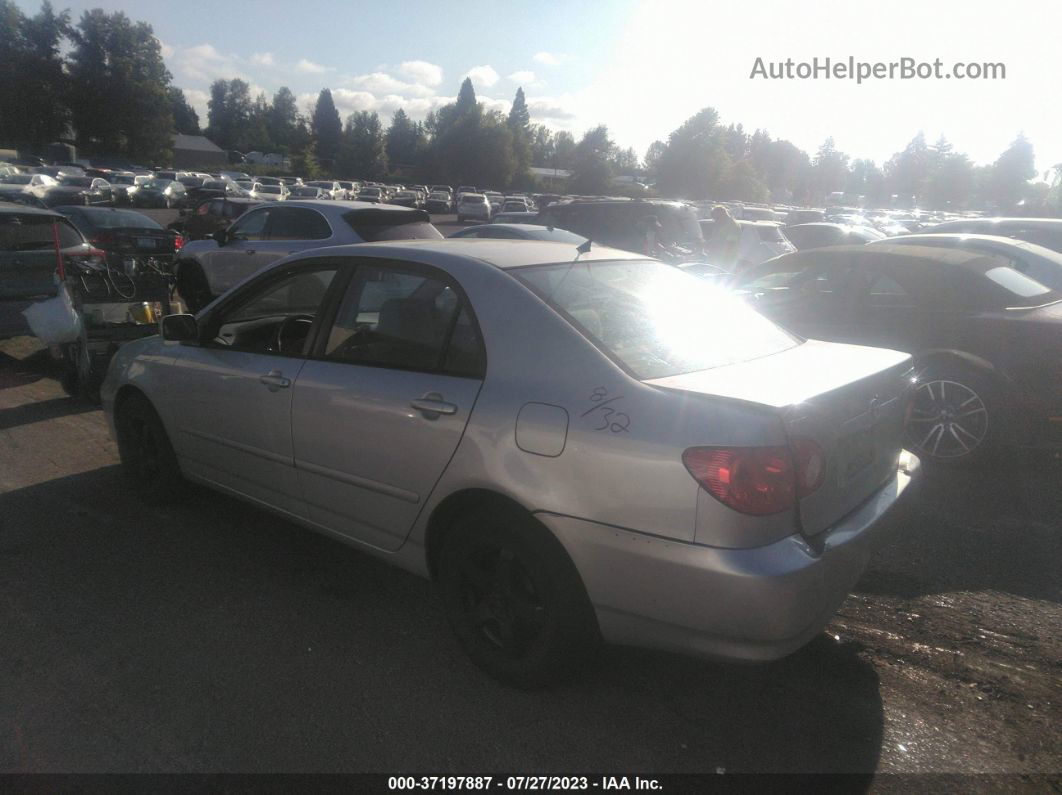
(611, 420)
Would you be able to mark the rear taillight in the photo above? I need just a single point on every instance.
(752, 480)
(102, 240)
(178, 243)
(758, 480)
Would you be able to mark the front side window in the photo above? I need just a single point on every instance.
(275, 317)
(251, 226)
(653, 319)
(404, 320)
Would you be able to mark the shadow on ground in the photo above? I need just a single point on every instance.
(214, 636)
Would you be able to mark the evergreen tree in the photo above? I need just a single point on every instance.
(363, 152)
(466, 98)
(185, 119)
(326, 127)
(284, 122)
(592, 162)
(519, 116)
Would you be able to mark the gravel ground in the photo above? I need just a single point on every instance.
(212, 636)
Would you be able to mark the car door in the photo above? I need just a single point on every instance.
(292, 229)
(27, 253)
(232, 394)
(379, 410)
(233, 262)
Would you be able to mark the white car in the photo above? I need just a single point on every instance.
(474, 207)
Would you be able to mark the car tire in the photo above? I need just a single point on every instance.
(515, 600)
(956, 416)
(82, 372)
(148, 461)
(192, 286)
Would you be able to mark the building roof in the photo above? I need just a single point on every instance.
(195, 143)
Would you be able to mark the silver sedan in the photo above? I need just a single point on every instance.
(575, 447)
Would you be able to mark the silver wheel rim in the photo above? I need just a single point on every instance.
(948, 420)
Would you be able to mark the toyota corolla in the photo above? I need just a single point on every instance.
(575, 445)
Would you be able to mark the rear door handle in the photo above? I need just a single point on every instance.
(274, 380)
(433, 404)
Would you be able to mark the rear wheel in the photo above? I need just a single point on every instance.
(515, 600)
(148, 461)
(82, 371)
(955, 418)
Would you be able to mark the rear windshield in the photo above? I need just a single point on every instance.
(34, 233)
(121, 219)
(653, 319)
(17, 179)
(76, 182)
(374, 226)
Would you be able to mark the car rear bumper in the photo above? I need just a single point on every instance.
(735, 604)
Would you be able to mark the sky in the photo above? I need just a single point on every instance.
(639, 66)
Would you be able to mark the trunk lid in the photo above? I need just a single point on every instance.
(848, 399)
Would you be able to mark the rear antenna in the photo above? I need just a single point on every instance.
(584, 247)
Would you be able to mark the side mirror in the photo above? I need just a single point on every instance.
(221, 236)
(179, 328)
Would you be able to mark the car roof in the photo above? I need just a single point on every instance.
(501, 254)
(1049, 223)
(23, 209)
(911, 256)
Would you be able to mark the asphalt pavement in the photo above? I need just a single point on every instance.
(212, 636)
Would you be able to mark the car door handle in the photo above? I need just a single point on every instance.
(433, 404)
(274, 380)
(249, 251)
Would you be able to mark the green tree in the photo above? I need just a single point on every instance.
(1011, 173)
(304, 161)
(285, 126)
(695, 160)
(592, 162)
(229, 114)
(626, 162)
(563, 149)
(829, 170)
(542, 145)
(185, 119)
(363, 149)
(741, 182)
(33, 89)
(652, 159)
(466, 98)
(907, 172)
(405, 140)
(118, 88)
(519, 116)
(326, 127)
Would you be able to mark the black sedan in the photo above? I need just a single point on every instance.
(820, 235)
(987, 339)
(132, 241)
(160, 193)
(79, 190)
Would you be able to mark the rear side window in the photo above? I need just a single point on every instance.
(404, 320)
(297, 223)
(34, 233)
(653, 319)
(374, 226)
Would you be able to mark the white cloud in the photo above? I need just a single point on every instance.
(500, 105)
(421, 72)
(549, 58)
(263, 59)
(382, 83)
(164, 48)
(307, 67)
(484, 75)
(523, 77)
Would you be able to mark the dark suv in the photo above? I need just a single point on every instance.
(621, 224)
(210, 216)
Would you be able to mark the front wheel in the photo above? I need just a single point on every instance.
(515, 600)
(955, 417)
(148, 461)
(193, 287)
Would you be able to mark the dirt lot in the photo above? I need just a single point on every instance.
(214, 637)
